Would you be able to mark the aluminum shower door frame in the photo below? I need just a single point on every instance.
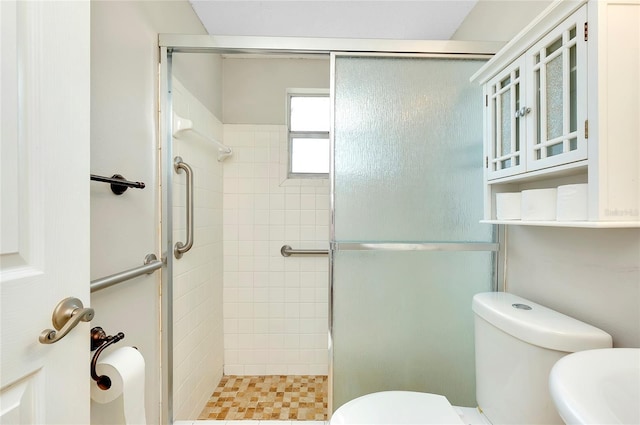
(180, 43)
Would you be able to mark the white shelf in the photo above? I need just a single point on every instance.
(183, 125)
(584, 224)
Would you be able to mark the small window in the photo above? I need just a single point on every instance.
(308, 113)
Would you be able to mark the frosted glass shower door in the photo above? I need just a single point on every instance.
(408, 253)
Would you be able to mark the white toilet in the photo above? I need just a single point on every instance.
(516, 344)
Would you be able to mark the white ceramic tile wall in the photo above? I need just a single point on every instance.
(197, 281)
(275, 308)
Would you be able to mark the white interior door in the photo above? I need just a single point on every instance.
(44, 237)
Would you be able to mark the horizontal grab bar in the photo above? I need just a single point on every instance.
(287, 251)
(151, 264)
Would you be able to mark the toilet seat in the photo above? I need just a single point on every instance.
(397, 407)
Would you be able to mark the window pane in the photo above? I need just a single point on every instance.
(310, 113)
(309, 155)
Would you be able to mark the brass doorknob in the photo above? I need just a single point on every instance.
(67, 314)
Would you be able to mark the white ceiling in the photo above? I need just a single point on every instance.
(408, 20)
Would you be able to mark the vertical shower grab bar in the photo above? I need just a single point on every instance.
(180, 248)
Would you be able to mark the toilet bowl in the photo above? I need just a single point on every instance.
(398, 407)
(517, 342)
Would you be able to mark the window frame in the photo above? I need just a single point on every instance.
(305, 92)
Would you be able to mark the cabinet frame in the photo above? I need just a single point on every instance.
(612, 167)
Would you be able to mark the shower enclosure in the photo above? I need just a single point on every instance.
(407, 252)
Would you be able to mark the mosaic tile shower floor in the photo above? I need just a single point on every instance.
(276, 397)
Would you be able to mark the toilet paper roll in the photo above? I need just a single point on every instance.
(539, 204)
(125, 368)
(572, 202)
(508, 206)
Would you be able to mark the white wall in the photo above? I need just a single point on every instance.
(498, 20)
(275, 308)
(197, 285)
(590, 274)
(201, 75)
(254, 89)
(124, 93)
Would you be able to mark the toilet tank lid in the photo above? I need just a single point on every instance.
(536, 324)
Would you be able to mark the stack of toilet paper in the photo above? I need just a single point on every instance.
(572, 203)
(539, 204)
(508, 206)
(565, 203)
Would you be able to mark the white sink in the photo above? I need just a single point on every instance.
(598, 386)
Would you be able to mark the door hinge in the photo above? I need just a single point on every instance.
(586, 129)
(486, 100)
(486, 162)
(586, 31)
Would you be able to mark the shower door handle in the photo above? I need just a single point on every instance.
(180, 248)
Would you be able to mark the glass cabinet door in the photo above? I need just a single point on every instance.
(504, 100)
(557, 70)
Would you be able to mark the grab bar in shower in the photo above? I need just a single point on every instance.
(151, 264)
(118, 183)
(180, 248)
(287, 251)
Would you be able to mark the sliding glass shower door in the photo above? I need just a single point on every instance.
(408, 253)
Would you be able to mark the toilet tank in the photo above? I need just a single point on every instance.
(517, 342)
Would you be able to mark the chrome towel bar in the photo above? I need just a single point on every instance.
(287, 251)
(151, 264)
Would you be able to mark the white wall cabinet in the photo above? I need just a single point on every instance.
(562, 107)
